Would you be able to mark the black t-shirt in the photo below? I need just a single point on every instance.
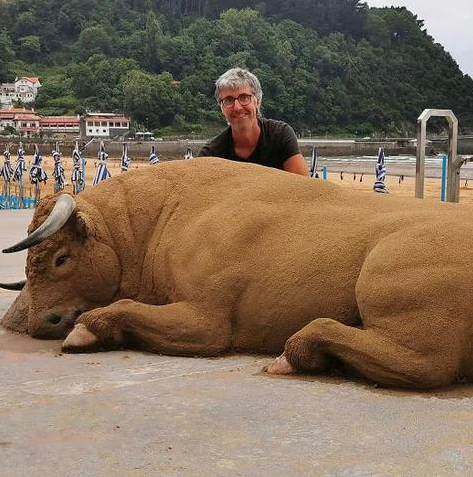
(276, 144)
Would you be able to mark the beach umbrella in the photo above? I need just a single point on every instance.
(37, 173)
(188, 154)
(7, 173)
(78, 173)
(102, 171)
(380, 170)
(125, 163)
(20, 168)
(313, 164)
(58, 171)
(153, 157)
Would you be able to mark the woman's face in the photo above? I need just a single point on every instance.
(236, 113)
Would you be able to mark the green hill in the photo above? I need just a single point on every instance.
(326, 66)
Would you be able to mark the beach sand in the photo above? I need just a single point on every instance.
(405, 187)
(352, 179)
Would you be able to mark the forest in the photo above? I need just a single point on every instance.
(328, 67)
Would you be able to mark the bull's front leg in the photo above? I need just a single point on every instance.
(177, 329)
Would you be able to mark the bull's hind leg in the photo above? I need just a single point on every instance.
(366, 352)
(415, 305)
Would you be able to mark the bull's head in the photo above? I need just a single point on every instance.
(69, 271)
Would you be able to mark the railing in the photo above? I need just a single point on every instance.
(14, 202)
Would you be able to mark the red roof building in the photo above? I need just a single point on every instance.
(24, 121)
(27, 123)
(60, 126)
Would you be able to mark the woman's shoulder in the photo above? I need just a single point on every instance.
(217, 146)
(276, 127)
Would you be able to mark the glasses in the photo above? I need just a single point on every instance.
(229, 101)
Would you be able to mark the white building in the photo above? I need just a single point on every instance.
(104, 125)
(24, 89)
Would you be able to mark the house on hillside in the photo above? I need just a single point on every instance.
(25, 121)
(104, 125)
(24, 89)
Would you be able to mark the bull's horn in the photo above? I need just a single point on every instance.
(62, 210)
(13, 286)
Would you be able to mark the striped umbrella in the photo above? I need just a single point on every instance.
(313, 164)
(37, 173)
(125, 164)
(58, 171)
(20, 168)
(7, 173)
(102, 171)
(153, 157)
(380, 170)
(188, 154)
(78, 175)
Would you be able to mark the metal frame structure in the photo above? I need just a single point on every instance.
(454, 164)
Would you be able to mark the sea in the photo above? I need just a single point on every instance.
(398, 165)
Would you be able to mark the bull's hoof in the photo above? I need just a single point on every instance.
(79, 340)
(279, 366)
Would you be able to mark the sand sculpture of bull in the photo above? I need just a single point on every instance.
(209, 256)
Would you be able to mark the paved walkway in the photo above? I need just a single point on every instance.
(133, 414)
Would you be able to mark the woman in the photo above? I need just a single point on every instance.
(250, 137)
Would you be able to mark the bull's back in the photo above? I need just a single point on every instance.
(257, 238)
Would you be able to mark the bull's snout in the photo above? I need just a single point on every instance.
(53, 326)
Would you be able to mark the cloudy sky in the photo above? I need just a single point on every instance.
(449, 22)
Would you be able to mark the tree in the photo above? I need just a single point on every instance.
(98, 82)
(30, 48)
(152, 30)
(6, 56)
(93, 40)
(8, 131)
(25, 25)
(152, 99)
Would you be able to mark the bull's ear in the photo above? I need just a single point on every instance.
(85, 225)
(16, 317)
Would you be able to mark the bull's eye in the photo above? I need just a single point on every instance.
(60, 260)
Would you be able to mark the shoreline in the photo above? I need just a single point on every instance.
(171, 148)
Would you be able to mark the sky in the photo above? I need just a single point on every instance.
(449, 22)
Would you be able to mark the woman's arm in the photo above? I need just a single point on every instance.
(297, 165)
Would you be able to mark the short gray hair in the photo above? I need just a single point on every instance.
(237, 78)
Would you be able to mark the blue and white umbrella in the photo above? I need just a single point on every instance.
(188, 154)
(313, 164)
(102, 171)
(7, 170)
(78, 171)
(7, 173)
(58, 171)
(153, 157)
(125, 163)
(380, 170)
(37, 173)
(20, 169)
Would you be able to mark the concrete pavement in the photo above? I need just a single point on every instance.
(129, 413)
